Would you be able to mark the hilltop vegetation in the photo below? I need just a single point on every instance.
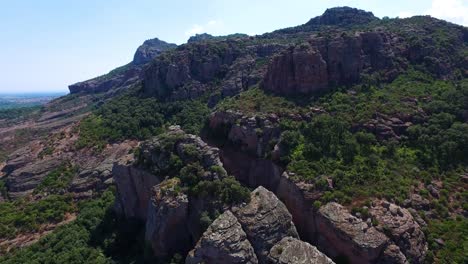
(357, 109)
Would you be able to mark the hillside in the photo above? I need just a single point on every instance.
(342, 140)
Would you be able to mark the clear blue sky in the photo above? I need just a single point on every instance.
(47, 45)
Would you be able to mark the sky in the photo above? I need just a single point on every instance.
(49, 44)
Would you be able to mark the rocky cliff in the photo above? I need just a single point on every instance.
(332, 228)
(246, 232)
(150, 49)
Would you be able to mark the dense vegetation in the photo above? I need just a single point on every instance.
(28, 216)
(96, 236)
(131, 117)
(353, 144)
(19, 112)
(57, 181)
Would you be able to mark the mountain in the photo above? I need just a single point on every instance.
(127, 75)
(342, 140)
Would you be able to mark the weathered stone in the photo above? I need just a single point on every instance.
(299, 70)
(405, 232)
(327, 62)
(134, 187)
(22, 181)
(266, 221)
(167, 219)
(343, 235)
(223, 242)
(150, 49)
(392, 255)
(291, 251)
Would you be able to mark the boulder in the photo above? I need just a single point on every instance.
(392, 255)
(266, 221)
(223, 242)
(291, 250)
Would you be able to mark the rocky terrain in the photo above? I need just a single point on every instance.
(342, 140)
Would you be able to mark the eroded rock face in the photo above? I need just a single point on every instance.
(185, 73)
(134, 187)
(392, 255)
(291, 250)
(167, 219)
(23, 180)
(150, 49)
(266, 221)
(402, 229)
(223, 242)
(299, 70)
(324, 63)
(342, 234)
(251, 134)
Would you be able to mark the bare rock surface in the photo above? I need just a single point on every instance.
(223, 242)
(342, 234)
(167, 217)
(22, 181)
(150, 49)
(402, 229)
(134, 187)
(294, 251)
(266, 221)
(392, 255)
(323, 63)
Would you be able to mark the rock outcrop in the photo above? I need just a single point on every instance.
(344, 235)
(405, 232)
(185, 74)
(124, 76)
(223, 242)
(134, 189)
(150, 49)
(332, 228)
(324, 63)
(167, 219)
(22, 181)
(299, 70)
(292, 250)
(266, 221)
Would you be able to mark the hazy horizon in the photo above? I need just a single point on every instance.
(48, 45)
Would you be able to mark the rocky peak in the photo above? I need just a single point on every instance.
(343, 16)
(150, 49)
(124, 76)
(292, 250)
(223, 242)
